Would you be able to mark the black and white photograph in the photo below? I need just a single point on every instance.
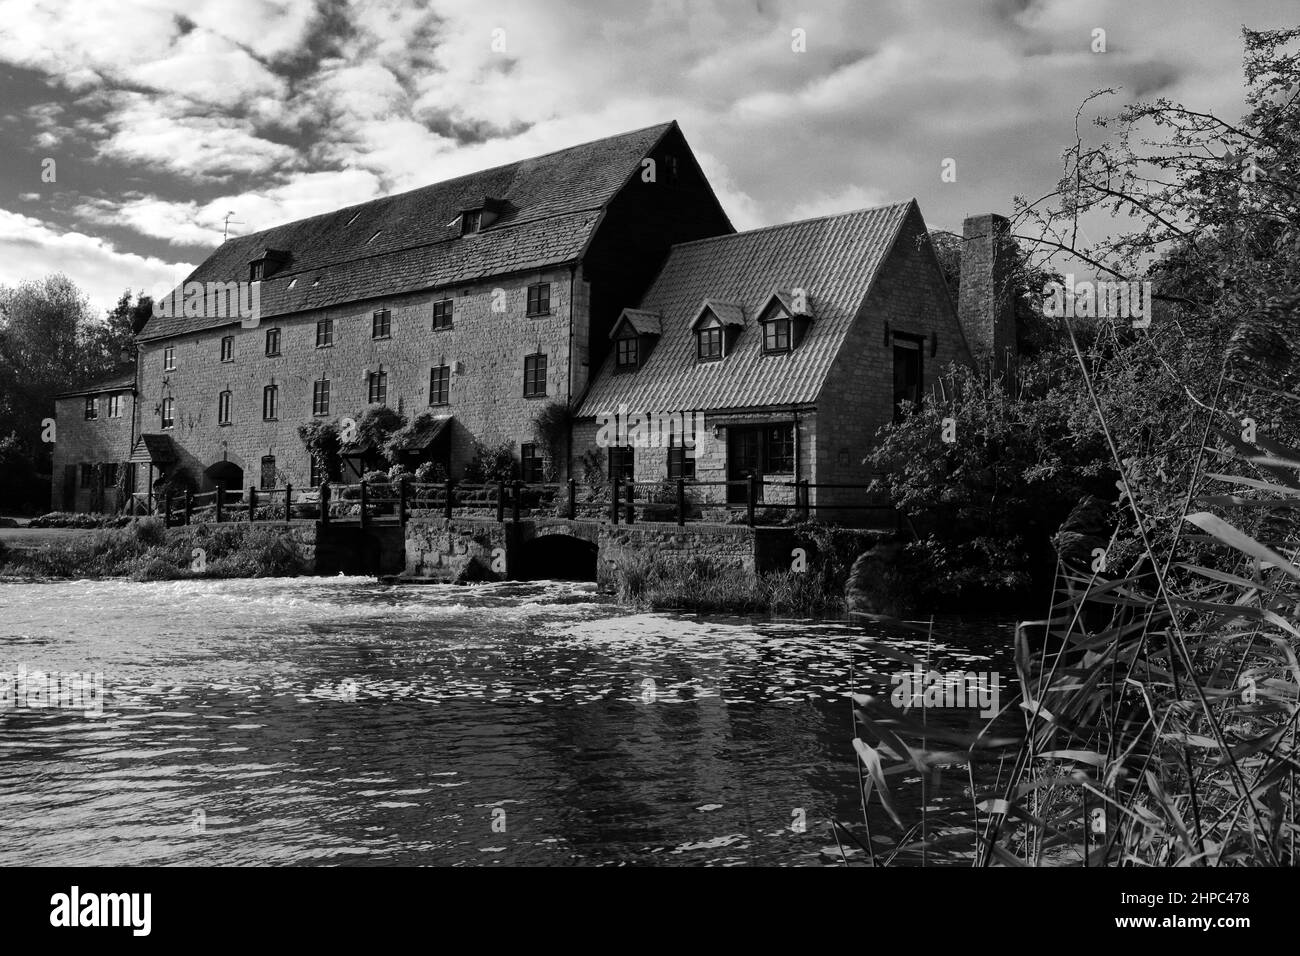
(651, 433)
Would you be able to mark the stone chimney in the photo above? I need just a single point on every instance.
(985, 304)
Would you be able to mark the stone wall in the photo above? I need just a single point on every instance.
(102, 441)
(485, 350)
(858, 398)
(725, 545)
(445, 550)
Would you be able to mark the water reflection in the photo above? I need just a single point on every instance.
(332, 721)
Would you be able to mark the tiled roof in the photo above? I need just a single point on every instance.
(787, 299)
(548, 208)
(153, 448)
(728, 313)
(834, 259)
(117, 382)
(642, 322)
(427, 432)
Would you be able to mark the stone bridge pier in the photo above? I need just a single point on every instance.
(481, 548)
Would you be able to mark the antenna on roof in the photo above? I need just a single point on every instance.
(226, 229)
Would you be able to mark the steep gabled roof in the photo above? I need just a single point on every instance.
(642, 322)
(789, 302)
(727, 313)
(835, 259)
(548, 209)
(153, 448)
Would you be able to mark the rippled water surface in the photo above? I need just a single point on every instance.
(340, 721)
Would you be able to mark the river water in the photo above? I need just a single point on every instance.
(342, 721)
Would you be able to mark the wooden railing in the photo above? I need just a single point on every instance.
(620, 501)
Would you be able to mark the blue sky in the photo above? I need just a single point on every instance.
(162, 116)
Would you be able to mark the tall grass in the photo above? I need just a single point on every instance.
(652, 581)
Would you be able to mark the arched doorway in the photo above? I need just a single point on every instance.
(226, 475)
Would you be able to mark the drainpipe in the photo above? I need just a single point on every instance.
(797, 446)
(568, 452)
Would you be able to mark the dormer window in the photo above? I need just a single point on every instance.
(776, 335)
(477, 214)
(634, 336)
(627, 352)
(716, 327)
(708, 344)
(266, 264)
(785, 317)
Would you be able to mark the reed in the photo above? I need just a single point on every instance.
(1154, 719)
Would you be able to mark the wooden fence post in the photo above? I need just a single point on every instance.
(613, 499)
(573, 499)
(751, 494)
(167, 509)
(401, 501)
(631, 502)
(288, 503)
(324, 502)
(189, 505)
(363, 503)
(221, 500)
(681, 502)
(447, 504)
(252, 503)
(501, 500)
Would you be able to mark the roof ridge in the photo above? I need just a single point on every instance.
(797, 222)
(453, 179)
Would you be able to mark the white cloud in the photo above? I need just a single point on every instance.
(210, 69)
(202, 224)
(414, 94)
(847, 200)
(31, 249)
(209, 146)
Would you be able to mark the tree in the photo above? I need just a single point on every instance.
(1209, 214)
(111, 344)
(41, 354)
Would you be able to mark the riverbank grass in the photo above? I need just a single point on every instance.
(146, 551)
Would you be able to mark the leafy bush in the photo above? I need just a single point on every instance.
(984, 506)
(492, 464)
(324, 444)
(431, 472)
(592, 468)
